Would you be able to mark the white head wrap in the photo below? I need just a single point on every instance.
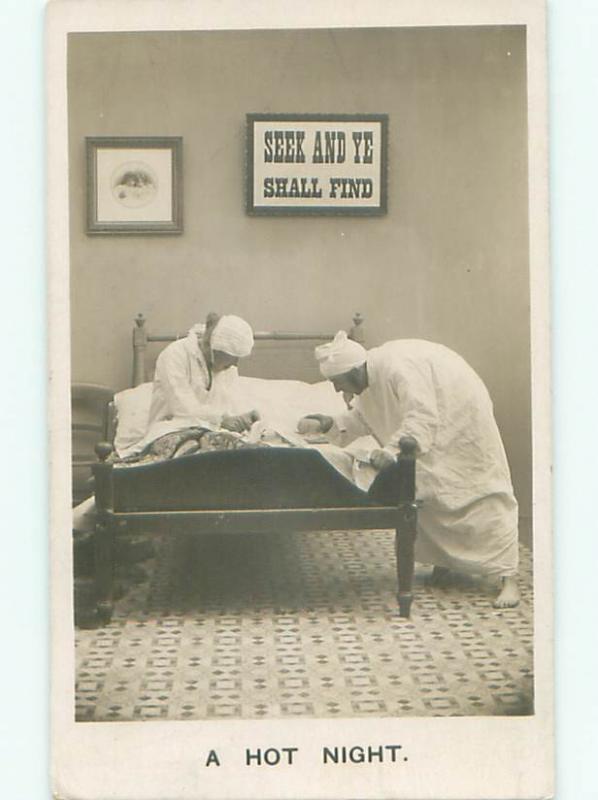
(232, 335)
(339, 356)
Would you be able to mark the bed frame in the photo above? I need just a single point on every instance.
(175, 494)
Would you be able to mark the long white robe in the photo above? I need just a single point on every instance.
(181, 396)
(469, 518)
(182, 388)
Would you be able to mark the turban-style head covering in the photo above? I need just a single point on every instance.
(232, 335)
(339, 356)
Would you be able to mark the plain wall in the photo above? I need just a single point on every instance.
(448, 262)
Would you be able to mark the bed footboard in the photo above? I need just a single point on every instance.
(392, 504)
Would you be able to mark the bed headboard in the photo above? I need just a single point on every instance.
(277, 354)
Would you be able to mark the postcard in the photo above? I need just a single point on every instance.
(299, 400)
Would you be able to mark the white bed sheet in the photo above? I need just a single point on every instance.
(281, 403)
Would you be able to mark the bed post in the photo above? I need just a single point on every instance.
(104, 532)
(406, 524)
(356, 331)
(139, 348)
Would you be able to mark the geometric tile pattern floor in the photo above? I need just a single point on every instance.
(302, 625)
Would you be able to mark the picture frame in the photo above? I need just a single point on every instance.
(317, 164)
(134, 185)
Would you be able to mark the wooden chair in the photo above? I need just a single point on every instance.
(90, 424)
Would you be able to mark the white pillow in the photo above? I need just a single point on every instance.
(282, 403)
(132, 409)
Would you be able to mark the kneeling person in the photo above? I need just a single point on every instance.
(469, 518)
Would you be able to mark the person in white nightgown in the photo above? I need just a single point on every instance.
(193, 385)
(469, 518)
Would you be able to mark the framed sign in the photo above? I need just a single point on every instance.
(134, 185)
(316, 163)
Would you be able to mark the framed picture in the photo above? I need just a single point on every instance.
(316, 163)
(134, 185)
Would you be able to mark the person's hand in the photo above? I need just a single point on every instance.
(314, 423)
(232, 423)
(348, 398)
(249, 418)
(240, 422)
(380, 459)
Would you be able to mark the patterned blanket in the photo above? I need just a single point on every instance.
(352, 465)
(186, 442)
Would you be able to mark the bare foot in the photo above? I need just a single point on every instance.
(441, 577)
(509, 594)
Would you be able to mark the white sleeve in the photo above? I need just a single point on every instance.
(182, 400)
(414, 390)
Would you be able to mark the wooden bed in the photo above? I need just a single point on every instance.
(274, 489)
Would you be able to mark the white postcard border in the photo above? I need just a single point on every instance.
(458, 757)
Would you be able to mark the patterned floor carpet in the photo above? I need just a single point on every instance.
(302, 625)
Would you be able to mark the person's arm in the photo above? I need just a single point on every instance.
(181, 398)
(416, 398)
(341, 430)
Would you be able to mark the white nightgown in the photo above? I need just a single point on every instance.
(469, 518)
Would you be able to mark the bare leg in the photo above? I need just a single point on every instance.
(509, 594)
(85, 516)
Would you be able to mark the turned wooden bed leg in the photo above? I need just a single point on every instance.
(406, 530)
(104, 534)
(357, 332)
(104, 567)
(405, 548)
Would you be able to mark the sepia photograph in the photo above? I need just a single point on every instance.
(299, 438)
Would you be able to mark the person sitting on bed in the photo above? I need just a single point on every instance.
(468, 520)
(193, 382)
(193, 377)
